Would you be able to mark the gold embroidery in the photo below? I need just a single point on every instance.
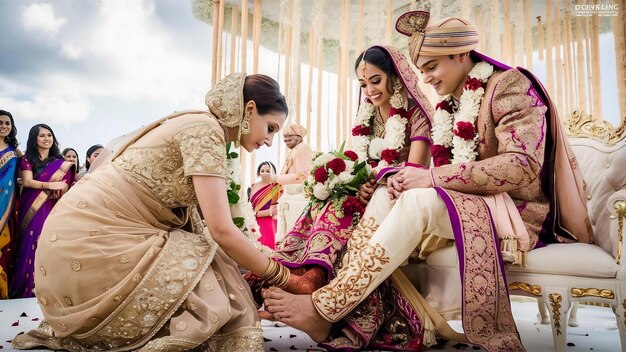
(82, 204)
(67, 301)
(192, 306)
(207, 287)
(140, 315)
(136, 278)
(53, 237)
(43, 301)
(231, 296)
(94, 232)
(203, 149)
(123, 258)
(42, 270)
(63, 327)
(242, 339)
(363, 262)
(75, 265)
(180, 326)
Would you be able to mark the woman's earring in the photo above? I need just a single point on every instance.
(245, 124)
(397, 100)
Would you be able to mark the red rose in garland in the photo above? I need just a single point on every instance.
(444, 105)
(464, 130)
(473, 84)
(361, 130)
(389, 155)
(441, 155)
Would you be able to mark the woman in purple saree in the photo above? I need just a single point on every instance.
(45, 177)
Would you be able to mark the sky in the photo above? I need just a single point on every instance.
(93, 70)
(96, 69)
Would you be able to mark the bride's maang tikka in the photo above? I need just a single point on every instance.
(362, 62)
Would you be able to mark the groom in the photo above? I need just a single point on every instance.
(501, 164)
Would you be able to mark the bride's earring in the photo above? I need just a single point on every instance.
(397, 100)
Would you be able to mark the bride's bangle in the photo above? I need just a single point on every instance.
(276, 274)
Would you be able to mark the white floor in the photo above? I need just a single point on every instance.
(597, 330)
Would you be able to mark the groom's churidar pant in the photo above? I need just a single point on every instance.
(374, 252)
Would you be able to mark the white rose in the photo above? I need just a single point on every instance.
(377, 145)
(323, 159)
(359, 146)
(332, 183)
(349, 165)
(345, 177)
(320, 192)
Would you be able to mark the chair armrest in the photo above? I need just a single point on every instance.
(616, 205)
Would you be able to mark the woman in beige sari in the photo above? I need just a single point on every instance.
(124, 261)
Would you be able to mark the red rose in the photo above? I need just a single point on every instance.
(464, 130)
(473, 84)
(350, 154)
(395, 111)
(352, 205)
(444, 105)
(372, 163)
(361, 130)
(441, 155)
(320, 174)
(337, 165)
(389, 155)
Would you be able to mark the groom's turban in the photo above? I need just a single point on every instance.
(448, 36)
(294, 130)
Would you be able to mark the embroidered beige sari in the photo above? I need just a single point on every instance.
(124, 262)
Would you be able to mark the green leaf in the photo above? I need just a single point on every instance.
(343, 145)
(238, 221)
(233, 197)
(233, 155)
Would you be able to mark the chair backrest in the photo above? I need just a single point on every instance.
(604, 170)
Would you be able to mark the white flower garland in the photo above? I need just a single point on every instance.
(395, 134)
(444, 122)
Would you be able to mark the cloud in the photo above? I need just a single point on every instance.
(41, 18)
(71, 51)
(61, 105)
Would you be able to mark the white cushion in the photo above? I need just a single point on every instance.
(577, 259)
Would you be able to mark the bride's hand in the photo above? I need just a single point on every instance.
(366, 190)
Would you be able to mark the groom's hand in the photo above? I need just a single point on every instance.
(413, 177)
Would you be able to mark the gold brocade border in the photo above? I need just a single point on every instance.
(580, 126)
(592, 292)
(555, 301)
(127, 328)
(522, 286)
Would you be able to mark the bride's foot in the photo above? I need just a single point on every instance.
(296, 311)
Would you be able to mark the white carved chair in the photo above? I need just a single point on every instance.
(561, 274)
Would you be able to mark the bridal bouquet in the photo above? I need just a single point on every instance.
(336, 177)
